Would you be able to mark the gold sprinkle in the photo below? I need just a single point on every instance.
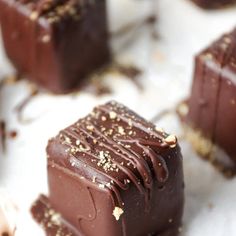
(56, 219)
(117, 212)
(94, 179)
(121, 130)
(101, 186)
(104, 118)
(90, 127)
(207, 56)
(130, 122)
(34, 16)
(183, 109)
(95, 141)
(171, 140)
(159, 129)
(112, 115)
(67, 140)
(46, 39)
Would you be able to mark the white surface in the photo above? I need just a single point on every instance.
(183, 29)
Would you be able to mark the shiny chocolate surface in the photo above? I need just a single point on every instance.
(114, 173)
(212, 105)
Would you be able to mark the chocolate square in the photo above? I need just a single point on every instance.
(114, 173)
(212, 104)
(57, 43)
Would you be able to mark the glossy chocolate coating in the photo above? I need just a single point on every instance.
(212, 105)
(114, 173)
(213, 4)
(56, 44)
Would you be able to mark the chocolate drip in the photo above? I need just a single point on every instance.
(94, 214)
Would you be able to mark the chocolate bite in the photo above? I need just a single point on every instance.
(214, 4)
(55, 43)
(114, 173)
(210, 121)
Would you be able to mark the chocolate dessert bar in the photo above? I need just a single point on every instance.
(113, 173)
(213, 4)
(211, 113)
(55, 43)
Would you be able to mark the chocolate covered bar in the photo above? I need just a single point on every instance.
(210, 112)
(213, 4)
(113, 173)
(55, 43)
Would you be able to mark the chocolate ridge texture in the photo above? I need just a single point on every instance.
(116, 174)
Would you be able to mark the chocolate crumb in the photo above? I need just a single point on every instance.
(21, 106)
(131, 72)
(13, 134)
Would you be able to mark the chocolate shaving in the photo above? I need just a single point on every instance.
(20, 107)
(2, 136)
(134, 26)
(130, 72)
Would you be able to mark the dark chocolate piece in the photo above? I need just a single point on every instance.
(55, 43)
(49, 219)
(212, 104)
(114, 173)
(214, 4)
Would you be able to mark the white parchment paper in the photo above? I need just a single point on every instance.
(183, 30)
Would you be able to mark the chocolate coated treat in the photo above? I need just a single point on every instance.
(55, 43)
(114, 173)
(213, 4)
(212, 105)
(49, 219)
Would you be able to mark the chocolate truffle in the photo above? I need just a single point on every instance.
(55, 43)
(113, 173)
(213, 4)
(212, 105)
